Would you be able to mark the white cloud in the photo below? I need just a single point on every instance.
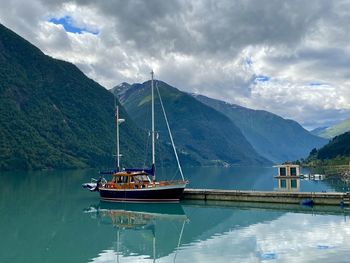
(290, 238)
(205, 47)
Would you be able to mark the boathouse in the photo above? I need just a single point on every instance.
(288, 170)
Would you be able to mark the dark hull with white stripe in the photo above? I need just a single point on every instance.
(157, 194)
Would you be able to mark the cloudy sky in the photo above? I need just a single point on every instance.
(288, 57)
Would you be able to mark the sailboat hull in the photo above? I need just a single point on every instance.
(156, 194)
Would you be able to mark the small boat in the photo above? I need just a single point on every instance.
(314, 177)
(307, 202)
(139, 185)
(319, 177)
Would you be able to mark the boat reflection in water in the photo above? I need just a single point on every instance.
(140, 229)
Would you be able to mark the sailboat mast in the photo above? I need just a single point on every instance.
(117, 121)
(116, 117)
(118, 153)
(153, 142)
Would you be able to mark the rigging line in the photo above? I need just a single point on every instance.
(175, 174)
(170, 135)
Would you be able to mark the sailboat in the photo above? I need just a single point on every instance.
(139, 185)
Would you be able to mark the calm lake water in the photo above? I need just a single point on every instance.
(48, 217)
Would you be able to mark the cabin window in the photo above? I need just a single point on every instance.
(142, 178)
(137, 178)
(122, 179)
(132, 180)
(294, 184)
(283, 171)
(293, 171)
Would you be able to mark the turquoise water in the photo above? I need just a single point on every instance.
(249, 178)
(48, 217)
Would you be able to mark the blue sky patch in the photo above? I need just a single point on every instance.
(268, 256)
(249, 61)
(315, 84)
(262, 78)
(322, 247)
(68, 26)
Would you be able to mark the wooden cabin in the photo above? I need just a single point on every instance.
(134, 180)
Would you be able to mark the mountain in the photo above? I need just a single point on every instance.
(198, 130)
(318, 130)
(53, 116)
(273, 137)
(339, 146)
(331, 132)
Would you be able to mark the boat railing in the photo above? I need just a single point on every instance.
(173, 182)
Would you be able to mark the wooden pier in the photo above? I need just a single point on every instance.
(318, 198)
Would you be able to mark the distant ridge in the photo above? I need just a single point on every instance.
(271, 136)
(335, 130)
(318, 130)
